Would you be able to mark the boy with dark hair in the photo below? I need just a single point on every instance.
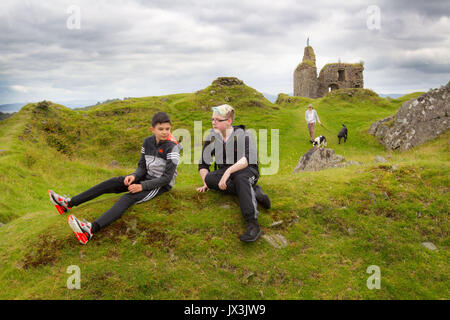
(237, 167)
(155, 174)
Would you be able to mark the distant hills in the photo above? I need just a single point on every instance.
(392, 95)
(273, 97)
(4, 116)
(78, 104)
(11, 107)
(72, 104)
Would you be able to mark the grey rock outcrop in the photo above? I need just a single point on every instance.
(228, 81)
(317, 159)
(417, 121)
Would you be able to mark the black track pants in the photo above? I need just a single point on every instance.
(115, 185)
(241, 184)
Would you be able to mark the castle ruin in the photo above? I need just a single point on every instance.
(332, 76)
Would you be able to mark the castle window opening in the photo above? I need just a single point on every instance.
(341, 75)
(332, 87)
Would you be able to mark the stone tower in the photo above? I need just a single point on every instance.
(306, 83)
(332, 76)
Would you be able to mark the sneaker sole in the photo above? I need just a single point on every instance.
(58, 207)
(82, 238)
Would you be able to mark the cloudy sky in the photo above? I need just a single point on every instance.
(96, 50)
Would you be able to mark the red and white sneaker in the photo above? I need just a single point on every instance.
(61, 202)
(82, 229)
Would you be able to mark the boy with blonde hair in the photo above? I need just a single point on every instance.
(237, 167)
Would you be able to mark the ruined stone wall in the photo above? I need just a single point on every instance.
(340, 76)
(332, 76)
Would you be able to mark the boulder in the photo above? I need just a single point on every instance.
(417, 121)
(317, 159)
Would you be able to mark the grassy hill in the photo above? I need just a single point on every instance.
(184, 245)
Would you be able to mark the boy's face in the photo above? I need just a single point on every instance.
(161, 131)
(219, 122)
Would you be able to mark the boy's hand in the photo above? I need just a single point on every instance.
(223, 181)
(203, 189)
(134, 188)
(129, 180)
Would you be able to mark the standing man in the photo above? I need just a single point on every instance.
(237, 167)
(311, 117)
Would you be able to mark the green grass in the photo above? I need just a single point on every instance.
(306, 63)
(184, 245)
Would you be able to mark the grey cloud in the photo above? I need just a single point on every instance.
(430, 9)
(153, 47)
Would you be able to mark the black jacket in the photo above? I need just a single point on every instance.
(157, 166)
(239, 144)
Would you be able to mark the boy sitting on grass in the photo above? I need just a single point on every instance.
(237, 167)
(155, 174)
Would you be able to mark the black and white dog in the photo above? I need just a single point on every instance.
(320, 141)
(342, 134)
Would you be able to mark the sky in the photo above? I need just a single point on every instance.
(98, 50)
